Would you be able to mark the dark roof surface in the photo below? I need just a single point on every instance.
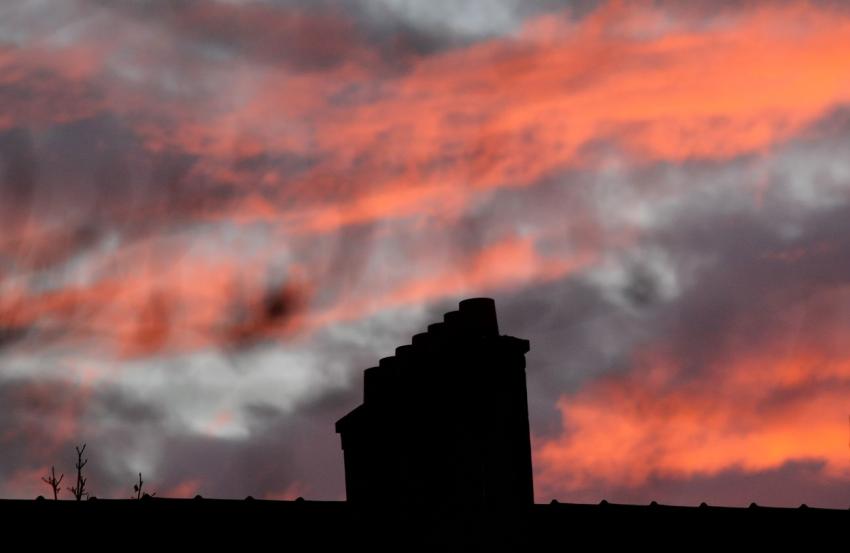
(320, 525)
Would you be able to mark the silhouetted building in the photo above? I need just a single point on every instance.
(437, 458)
(444, 422)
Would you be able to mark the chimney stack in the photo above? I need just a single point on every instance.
(444, 423)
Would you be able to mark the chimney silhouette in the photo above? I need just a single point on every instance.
(444, 422)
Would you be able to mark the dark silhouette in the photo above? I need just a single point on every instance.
(444, 422)
(53, 482)
(437, 458)
(137, 489)
(79, 489)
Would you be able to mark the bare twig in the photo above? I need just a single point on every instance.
(138, 489)
(79, 490)
(53, 482)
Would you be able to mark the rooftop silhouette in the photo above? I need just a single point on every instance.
(444, 422)
(437, 457)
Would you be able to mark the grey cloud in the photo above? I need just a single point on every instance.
(315, 35)
(284, 451)
(43, 419)
(18, 175)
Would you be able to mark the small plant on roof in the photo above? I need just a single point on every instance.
(79, 489)
(137, 488)
(51, 480)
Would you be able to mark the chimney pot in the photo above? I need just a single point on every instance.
(479, 316)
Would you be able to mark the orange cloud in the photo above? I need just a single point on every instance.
(186, 488)
(151, 299)
(26, 483)
(654, 85)
(41, 86)
(749, 410)
(658, 85)
(143, 303)
(291, 492)
(433, 139)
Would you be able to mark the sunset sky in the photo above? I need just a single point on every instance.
(214, 214)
